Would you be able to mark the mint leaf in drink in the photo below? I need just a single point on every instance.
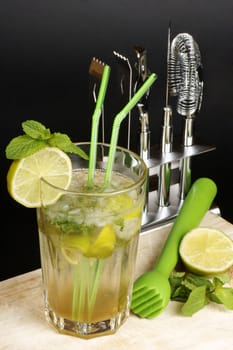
(36, 130)
(63, 142)
(196, 301)
(23, 146)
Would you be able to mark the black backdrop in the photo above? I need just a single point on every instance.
(45, 50)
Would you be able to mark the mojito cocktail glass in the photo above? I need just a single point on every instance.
(88, 245)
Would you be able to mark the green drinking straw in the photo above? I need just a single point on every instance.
(117, 122)
(95, 123)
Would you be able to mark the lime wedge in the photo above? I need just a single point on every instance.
(206, 251)
(24, 177)
(104, 244)
(78, 242)
(73, 246)
(102, 247)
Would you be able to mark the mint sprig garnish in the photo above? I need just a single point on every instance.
(36, 137)
(36, 130)
(197, 291)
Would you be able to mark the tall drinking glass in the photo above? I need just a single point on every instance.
(88, 245)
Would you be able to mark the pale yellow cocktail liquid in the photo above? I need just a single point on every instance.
(88, 249)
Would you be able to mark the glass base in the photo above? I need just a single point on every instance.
(85, 330)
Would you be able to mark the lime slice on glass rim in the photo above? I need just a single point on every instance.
(207, 251)
(24, 177)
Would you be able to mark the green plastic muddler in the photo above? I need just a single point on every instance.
(151, 291)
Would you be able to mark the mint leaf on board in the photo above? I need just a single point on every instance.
(196, 291)
(178, 291)
(192, 281)
(181, 294)
(223, 295)
(63, 142)
(36, 130)
(223, 278)
(196, 301)
(23, 146)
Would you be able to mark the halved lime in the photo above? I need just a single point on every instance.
(206, 251)
(24, 177)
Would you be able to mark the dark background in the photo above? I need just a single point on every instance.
(45, 51)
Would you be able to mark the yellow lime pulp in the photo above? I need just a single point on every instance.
(206, 250)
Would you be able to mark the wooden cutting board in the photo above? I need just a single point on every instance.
(23, 326)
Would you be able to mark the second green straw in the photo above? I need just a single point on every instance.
(117, 122)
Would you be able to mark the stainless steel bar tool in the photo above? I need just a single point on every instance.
(142, 105)
(126, 63)
(186, 83)
(166, 142)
